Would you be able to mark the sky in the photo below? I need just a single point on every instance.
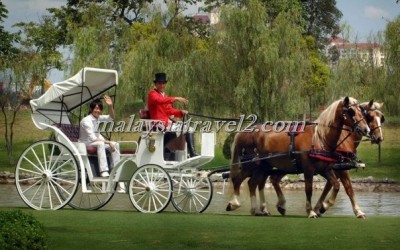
(365, 17)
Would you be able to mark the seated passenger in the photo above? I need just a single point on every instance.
(89, 135)
(160, 108)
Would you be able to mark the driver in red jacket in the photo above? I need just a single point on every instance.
(160, 108)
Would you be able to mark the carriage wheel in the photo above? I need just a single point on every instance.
(97, 199)
(191, 194)
(46, 175)
(150, 189)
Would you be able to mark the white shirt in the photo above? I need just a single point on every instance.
(88, 126)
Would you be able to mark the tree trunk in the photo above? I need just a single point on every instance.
(9, 133)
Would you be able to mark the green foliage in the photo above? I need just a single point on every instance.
(392, 52)
(226, 148)
(321, 24)
(6, 38)
(3, 13)
(316, 75)
(21, 231)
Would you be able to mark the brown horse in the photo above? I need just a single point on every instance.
(317, 139)
(375, 119)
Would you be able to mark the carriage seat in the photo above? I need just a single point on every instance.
(70, 130)
(144, 114)
(72, 133)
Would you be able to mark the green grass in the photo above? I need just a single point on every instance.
(26, 133)
(72, 229)
(388, 168)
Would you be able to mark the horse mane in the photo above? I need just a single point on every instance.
(327, 117)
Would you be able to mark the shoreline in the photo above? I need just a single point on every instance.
(319, 185)
(359, 185)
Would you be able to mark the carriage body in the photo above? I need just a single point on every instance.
(51, 174)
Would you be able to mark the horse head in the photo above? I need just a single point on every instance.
(343, 112)
(353, 116)
(375, 119)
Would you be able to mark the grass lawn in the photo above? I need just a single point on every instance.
(72, 229)
(26, 133)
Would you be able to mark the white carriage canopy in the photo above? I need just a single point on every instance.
(63, 97)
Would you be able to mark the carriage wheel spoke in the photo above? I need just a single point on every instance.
(150, 189)
(44, 181)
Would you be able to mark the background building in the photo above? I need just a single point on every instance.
(368, 53)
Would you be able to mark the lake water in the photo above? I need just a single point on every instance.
(371, 203)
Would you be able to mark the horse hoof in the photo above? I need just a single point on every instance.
(281, 210)
(313, 215)
(362, 216)
(322, 210)
(263, 213)
(232, 207)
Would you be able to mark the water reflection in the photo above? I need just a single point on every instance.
(385, 203)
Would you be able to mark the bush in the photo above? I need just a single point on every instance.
(226, 148)
(21, 231)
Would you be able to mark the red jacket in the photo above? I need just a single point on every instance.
(160, 106)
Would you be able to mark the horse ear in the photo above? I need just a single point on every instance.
(346, 101)
(380, 105)
(371, 104)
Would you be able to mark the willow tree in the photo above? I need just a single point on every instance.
(262, 62)
(288, 70)
(392, 52)
(140, 61)
(95, 39)
(154, 48)
(42, 39)
(248, 53)
(316, 76)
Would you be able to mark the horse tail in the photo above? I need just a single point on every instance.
(235, 161)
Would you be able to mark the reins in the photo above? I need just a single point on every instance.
(226, 167)
(217, 118)
(353, 129)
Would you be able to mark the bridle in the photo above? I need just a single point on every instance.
(347, 110)
(350, 112)
(355, 127)
(368, 118)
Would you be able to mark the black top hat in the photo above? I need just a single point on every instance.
(160, 77)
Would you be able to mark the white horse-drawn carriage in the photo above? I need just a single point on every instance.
(51, 174)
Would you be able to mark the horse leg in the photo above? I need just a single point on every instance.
(263, 202)
(254, 208)
(308, 178)
(345, 179)
(254, 181)
(281, 204)
(319, 207)
(234, 202)
(333, 181)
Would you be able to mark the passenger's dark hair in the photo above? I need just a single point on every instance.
(95, 103)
